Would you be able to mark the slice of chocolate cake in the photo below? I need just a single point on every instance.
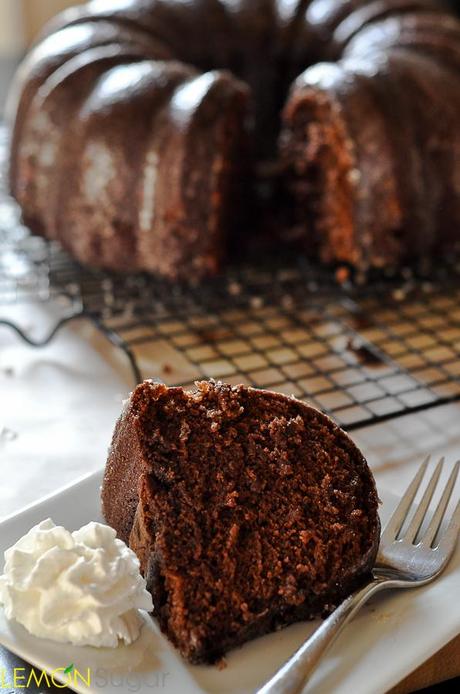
(249, 510)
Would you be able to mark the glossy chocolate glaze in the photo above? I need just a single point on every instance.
(132, 181)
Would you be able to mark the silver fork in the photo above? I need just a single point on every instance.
(405, 560)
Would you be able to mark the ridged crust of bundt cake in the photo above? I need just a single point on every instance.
(126, 182)
(248, 510)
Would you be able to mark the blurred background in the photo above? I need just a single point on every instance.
(20, 22)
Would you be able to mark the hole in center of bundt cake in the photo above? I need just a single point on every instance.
(254, 511)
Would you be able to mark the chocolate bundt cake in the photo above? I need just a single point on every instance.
(138, 125)
(248, 510)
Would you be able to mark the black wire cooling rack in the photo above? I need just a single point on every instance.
(362, 354)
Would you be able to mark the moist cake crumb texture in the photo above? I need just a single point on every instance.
(248, 510)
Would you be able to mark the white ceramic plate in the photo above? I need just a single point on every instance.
(390, 637)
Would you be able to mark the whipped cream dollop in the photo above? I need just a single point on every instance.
(81, 587)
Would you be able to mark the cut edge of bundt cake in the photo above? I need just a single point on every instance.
(321, 164)
(346, 204)
(249, 510)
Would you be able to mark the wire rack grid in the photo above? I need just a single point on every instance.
(362, 354)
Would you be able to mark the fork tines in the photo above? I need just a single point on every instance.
(393, 530)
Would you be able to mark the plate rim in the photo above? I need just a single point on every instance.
(52, 495)
(397, 673)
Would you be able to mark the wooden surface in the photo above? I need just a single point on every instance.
(443, 666)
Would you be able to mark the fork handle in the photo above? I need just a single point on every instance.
(293, 675)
